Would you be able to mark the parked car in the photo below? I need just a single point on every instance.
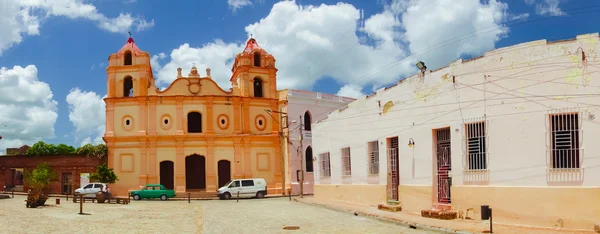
(255, 187)
(153, 191)
(90, 190)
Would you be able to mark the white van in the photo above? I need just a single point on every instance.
(253, 187)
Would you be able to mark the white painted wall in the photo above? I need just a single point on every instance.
(514, 87)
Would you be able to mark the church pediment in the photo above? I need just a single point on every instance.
(194, 87)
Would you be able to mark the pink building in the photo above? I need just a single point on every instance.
(303, 108)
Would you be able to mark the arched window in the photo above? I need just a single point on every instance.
(258, 87)
(128, 87)
(309, 159)
(194, 122)
(257, 59)
(307, 121)
(128, 59)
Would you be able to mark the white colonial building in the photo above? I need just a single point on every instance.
(515, 129)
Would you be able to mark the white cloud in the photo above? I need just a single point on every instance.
(337, 42)
(28, 110)
(24, 17)
(216, 55)
(547, 7)
(87, 114)
(237, 4)
(350, 90)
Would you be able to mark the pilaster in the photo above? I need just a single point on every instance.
(246, 118)
(152, 117)
(152, 175)
(110, 119)
(143, 162)
(143, 118)
(179, 167)
(209, 116)
(247, 159)
(237, 120)
(211, 178)
(179, 115)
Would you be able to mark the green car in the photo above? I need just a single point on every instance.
(153, 191)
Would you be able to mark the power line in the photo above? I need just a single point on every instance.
(440, 45)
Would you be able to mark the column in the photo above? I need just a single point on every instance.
(143, 179)
(211, 178)
(151, 162)
(111, 89)
(247, 159)
(152, 117)
(179, 115)
(110, 119)
(209, 116)
(238, 151)
(143, 118)
(179, 167)
(237, 120)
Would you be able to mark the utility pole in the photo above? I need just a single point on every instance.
(282, 141)
(301, 158)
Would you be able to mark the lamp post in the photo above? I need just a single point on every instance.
(283, 138)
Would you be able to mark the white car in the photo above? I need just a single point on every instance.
(90, 190)
(255, 187)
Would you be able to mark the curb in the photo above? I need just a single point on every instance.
(410, 225)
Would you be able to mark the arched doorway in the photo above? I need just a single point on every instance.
(167, 172)
(195, 172)
(224, 172)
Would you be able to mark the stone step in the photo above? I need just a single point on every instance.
(439, 214)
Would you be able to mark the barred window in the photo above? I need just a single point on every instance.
(325, 165)
(346, 162)
(564, 136)
(373, 156)
(476, 146)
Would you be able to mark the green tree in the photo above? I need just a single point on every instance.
(65, 149)
(99, 151)
(42, 148)
(104, 174)
(39, 178)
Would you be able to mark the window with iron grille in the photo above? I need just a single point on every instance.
(373, 156)
(476, 146)
(325, 165)
(564, 137)
(346, 162)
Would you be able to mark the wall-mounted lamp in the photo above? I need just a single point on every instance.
(421, 66)
(411, 142)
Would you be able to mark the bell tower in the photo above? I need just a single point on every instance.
(129, 73)
(254, 72)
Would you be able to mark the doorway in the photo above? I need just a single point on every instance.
(224, 170)
(444, 165)
(167, 172)
(195, 172)
(393, 175)
(66, 183)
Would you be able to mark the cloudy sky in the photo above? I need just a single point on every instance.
(53, 53)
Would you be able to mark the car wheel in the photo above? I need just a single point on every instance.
(163, 197)
(260, 195)
(227, 196)
(136, 197)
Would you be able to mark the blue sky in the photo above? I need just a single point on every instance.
(59, 50)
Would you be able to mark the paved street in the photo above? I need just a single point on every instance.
(271, 215)
(214, 216)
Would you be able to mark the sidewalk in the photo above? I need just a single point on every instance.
(415, 220)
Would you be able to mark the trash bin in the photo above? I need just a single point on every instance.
(485, 212)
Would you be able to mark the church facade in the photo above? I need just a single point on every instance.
(192, 136)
